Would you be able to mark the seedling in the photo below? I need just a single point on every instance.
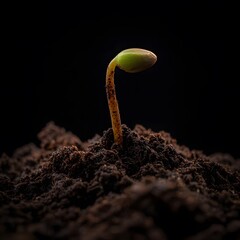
(131, 60)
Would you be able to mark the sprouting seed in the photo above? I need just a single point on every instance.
(131, 60)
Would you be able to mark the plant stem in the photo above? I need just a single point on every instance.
(113, 103)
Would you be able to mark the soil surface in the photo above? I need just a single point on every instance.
(150, 188)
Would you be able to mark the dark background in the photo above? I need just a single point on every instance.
(56, 59)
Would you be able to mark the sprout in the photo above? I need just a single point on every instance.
(131, 60)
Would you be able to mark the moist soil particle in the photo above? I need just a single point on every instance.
(150, 188)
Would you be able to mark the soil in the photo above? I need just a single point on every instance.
(150, 188)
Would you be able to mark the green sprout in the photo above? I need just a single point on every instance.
(131, 60)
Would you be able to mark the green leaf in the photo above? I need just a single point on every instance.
(134, 60)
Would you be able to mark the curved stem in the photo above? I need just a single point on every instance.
(113, 103)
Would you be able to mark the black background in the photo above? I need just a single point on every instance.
(57, 55)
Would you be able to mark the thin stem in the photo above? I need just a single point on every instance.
(113, 103)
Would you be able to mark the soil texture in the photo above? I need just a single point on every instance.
(149, 188)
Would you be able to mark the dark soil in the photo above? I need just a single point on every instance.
(151, 188)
